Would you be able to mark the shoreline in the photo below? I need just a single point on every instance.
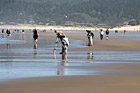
(43, 27)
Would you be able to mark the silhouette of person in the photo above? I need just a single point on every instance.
(90, 37)
(101, 34)
(107, 34)
(64, 41)
(35, 36)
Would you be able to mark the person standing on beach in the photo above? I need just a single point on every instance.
(101, 34)
(124, 31)
(35, 36)
(107, 34)
(90, 36)
(63, 39)
(2, 31)
(8, 33)
(22, 31)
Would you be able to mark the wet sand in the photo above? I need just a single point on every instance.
(81, 84)
(115, 75)
(111, 46)
(115, 43)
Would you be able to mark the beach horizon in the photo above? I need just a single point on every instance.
(45, 27)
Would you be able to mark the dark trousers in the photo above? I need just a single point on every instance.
(101, 37)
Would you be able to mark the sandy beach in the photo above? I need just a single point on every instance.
(81, 84)
(115, 75)
(104, 45)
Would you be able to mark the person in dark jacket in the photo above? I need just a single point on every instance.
(107, 34)
(35, 36)
(90, 37)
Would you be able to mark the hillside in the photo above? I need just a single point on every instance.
(111, 12)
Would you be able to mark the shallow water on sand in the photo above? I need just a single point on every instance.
(19, 58)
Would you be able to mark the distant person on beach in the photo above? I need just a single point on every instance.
(101, 34)
(124, 31)
(2, 31)
(61, 37)
(22, 31)
(14, 31)
(8, 32)
(107, 34)
(90, 37)
(35, 36)
(116, 31)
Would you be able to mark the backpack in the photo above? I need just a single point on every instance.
(65, 41)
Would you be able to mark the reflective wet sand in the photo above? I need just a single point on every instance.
(20, 58)
(83, 69)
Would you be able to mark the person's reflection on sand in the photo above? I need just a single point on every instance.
(2, 35)
(22, 36)
(35, 51)
(61, 70)
(8, 46)
(64, 59)
(90, 55)
(35, 46)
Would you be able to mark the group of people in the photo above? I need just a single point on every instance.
(61, 37)
(8, 32)
(90, 36)
(102, 34)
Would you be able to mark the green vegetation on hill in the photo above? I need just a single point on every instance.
(111, 12)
